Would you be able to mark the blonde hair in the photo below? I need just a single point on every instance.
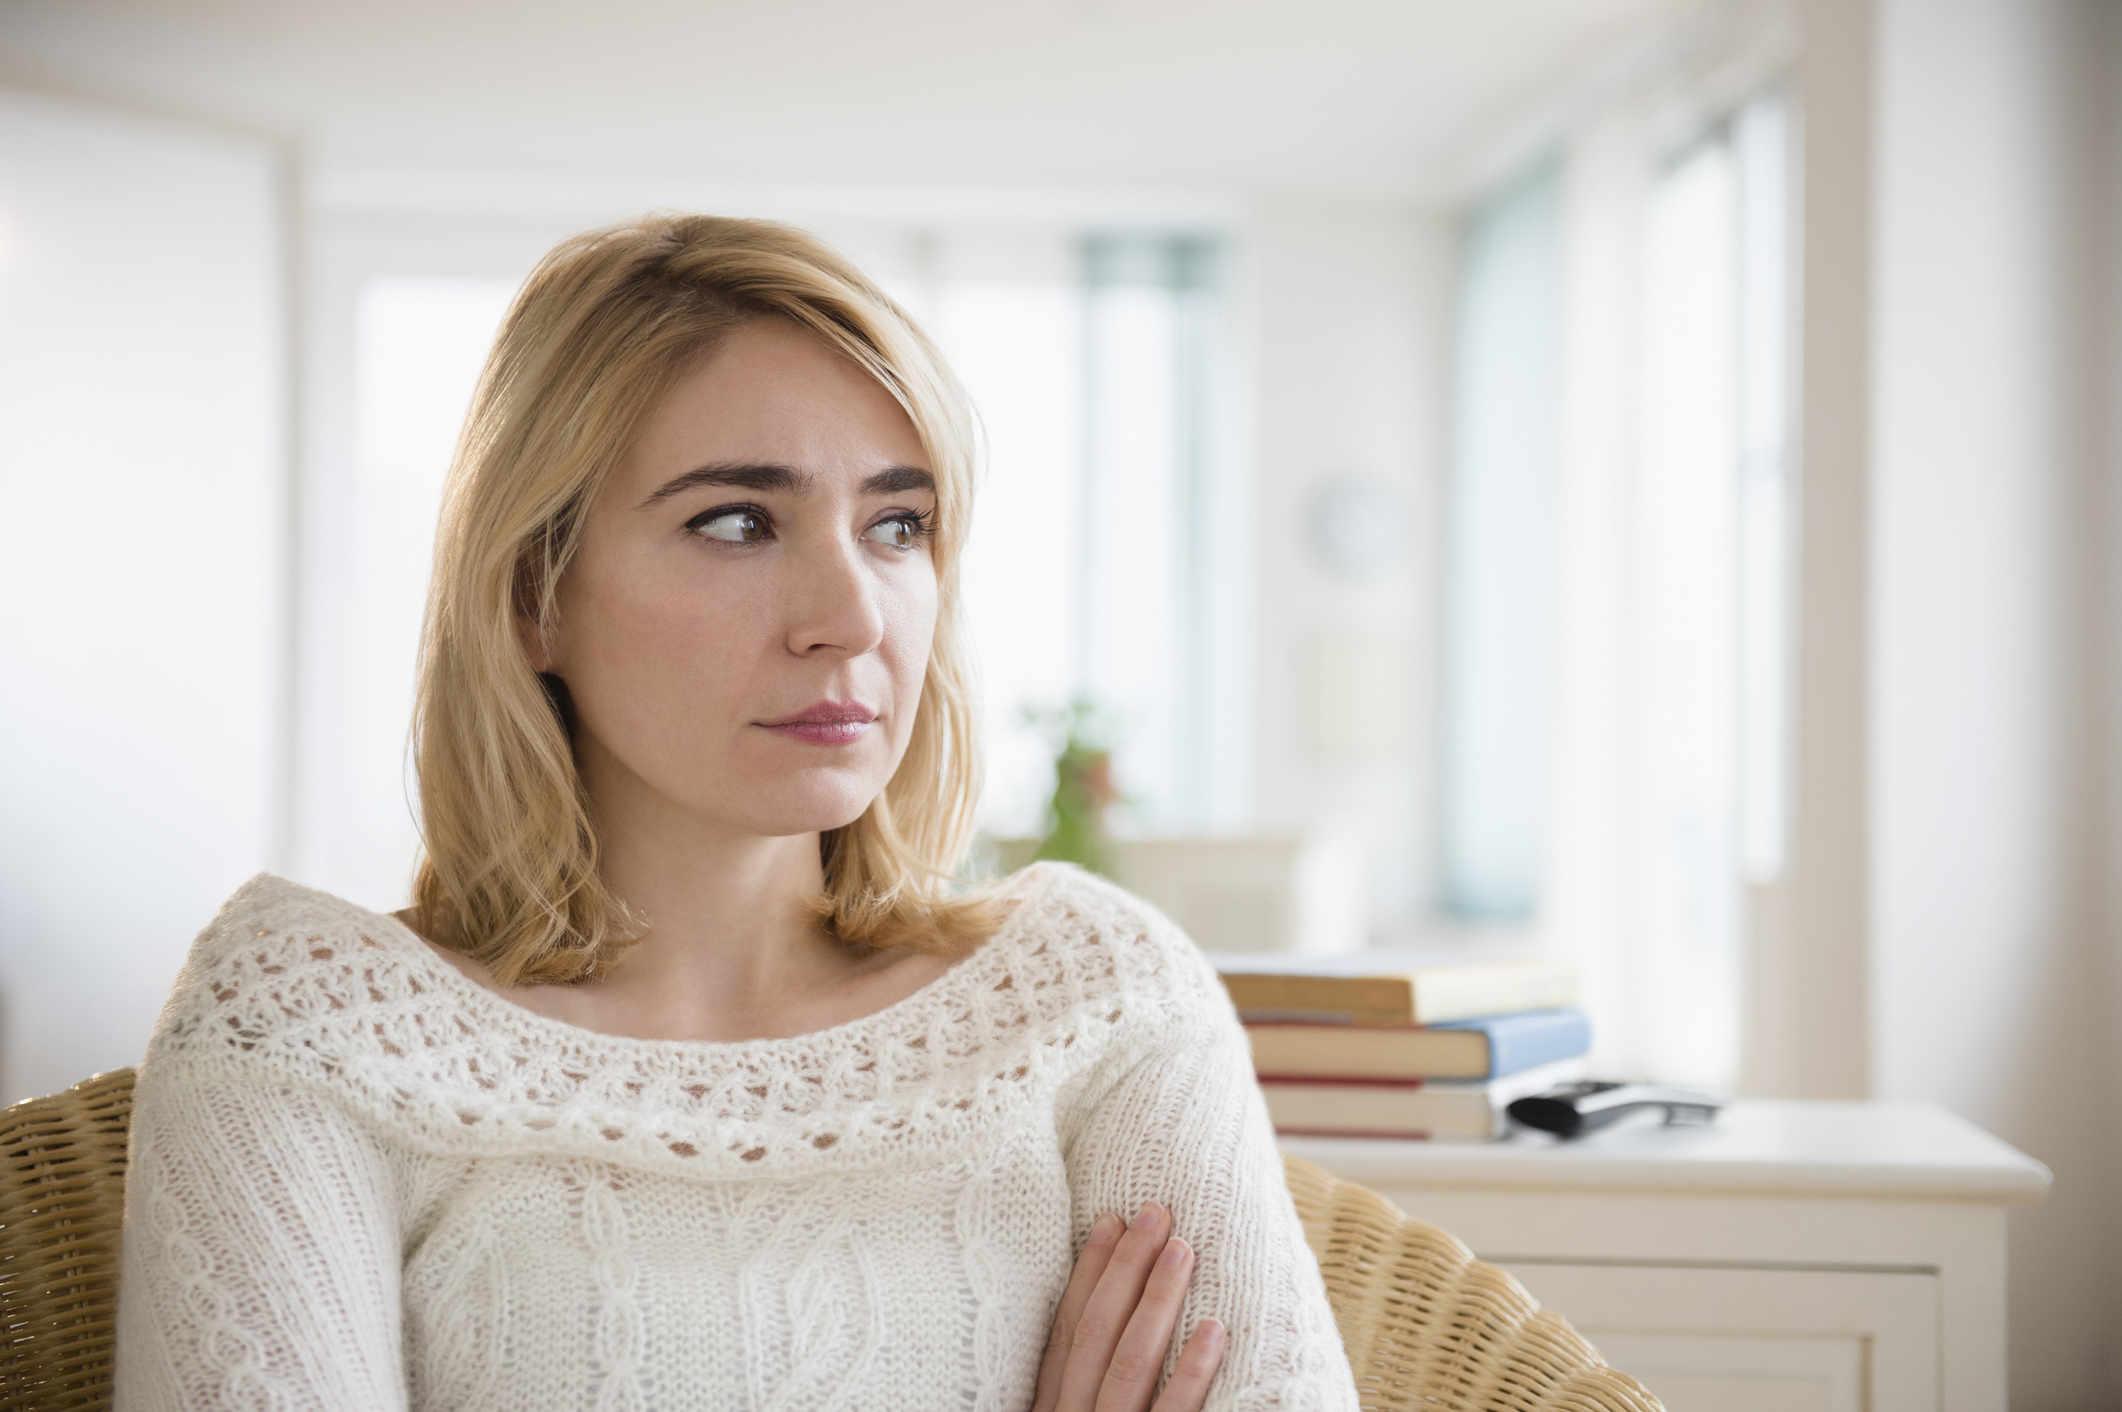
(602, 328)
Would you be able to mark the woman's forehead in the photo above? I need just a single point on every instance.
(773, 395)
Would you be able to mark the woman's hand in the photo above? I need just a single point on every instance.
(1115, 1323)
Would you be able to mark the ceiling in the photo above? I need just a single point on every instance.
(1371, 98)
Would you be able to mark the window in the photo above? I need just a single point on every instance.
(1152, 331)
(1498, 594)
(1617, 661)
(419, 342)
(1096, 559)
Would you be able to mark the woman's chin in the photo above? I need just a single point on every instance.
(819, 812)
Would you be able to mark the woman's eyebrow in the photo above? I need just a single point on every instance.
(766, 477)
(740, 475)
(896, 480)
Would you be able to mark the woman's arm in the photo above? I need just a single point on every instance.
(1184, 1125)
(261, 1256)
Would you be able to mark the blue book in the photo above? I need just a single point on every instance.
(1459, 1049)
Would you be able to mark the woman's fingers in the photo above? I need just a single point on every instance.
(1115, 1323)
(1138, 1360)
(1112, 1304)
(1198, 1362)
(1104, 1232)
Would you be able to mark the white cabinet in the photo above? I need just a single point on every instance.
(1751, 1340)
(1845, 1257)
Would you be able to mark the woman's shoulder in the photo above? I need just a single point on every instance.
(271, 928)
(285, 970)
(1104, 942)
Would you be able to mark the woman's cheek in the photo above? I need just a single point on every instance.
(911, 637)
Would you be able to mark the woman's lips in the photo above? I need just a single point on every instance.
(827, 723)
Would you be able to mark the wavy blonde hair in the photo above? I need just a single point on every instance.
(600, 331)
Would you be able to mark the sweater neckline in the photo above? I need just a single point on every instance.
(990, 956)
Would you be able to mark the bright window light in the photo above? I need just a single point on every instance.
(419, 345)
(1018, 346)
(1760, 144)
(1086, 574)
(1664, 502)
(1688, 916)
(1498, 652)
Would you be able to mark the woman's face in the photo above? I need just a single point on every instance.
(746, 626)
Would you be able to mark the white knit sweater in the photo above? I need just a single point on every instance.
(362, 1181)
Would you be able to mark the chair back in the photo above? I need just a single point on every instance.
(1428, 1328)
(62, 1199)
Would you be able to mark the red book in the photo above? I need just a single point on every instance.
(1437, 1109)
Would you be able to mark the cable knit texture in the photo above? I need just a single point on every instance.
(361, 1180)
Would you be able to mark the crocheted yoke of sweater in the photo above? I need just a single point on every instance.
(360, 1180)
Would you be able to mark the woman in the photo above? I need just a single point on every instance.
(689, 1079)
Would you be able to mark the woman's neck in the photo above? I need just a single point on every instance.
(733, 949)
(731, 916)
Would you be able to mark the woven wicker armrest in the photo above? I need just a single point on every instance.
(1429, 1327)
(62, 1201)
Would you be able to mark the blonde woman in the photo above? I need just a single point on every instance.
(689, 1079)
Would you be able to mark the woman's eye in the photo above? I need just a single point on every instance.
(899, 533)
(732, 526)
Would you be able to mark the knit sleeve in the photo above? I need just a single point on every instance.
(1184, 1124)
(261, 1255)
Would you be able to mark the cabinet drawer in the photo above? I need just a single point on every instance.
(1709, 1339)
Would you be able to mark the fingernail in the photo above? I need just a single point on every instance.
(1104, 1229)
(1174, 1251)
(1145, 1216)
(1211, 1331)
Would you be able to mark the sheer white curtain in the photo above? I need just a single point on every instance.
(1671, 568)
(1148, 568)
(1499, 586)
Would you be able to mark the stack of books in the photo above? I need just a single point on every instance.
(1404, 1044)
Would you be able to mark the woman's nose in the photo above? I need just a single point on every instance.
(832, 603)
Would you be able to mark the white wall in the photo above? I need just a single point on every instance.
(141, 558)
(1351, 308)
(1993, 966)
(1809, 982)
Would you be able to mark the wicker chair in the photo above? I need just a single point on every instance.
(1429, 1327)
(1426, 1325)
(62, 1196)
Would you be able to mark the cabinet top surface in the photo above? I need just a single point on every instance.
(1882, 1150)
